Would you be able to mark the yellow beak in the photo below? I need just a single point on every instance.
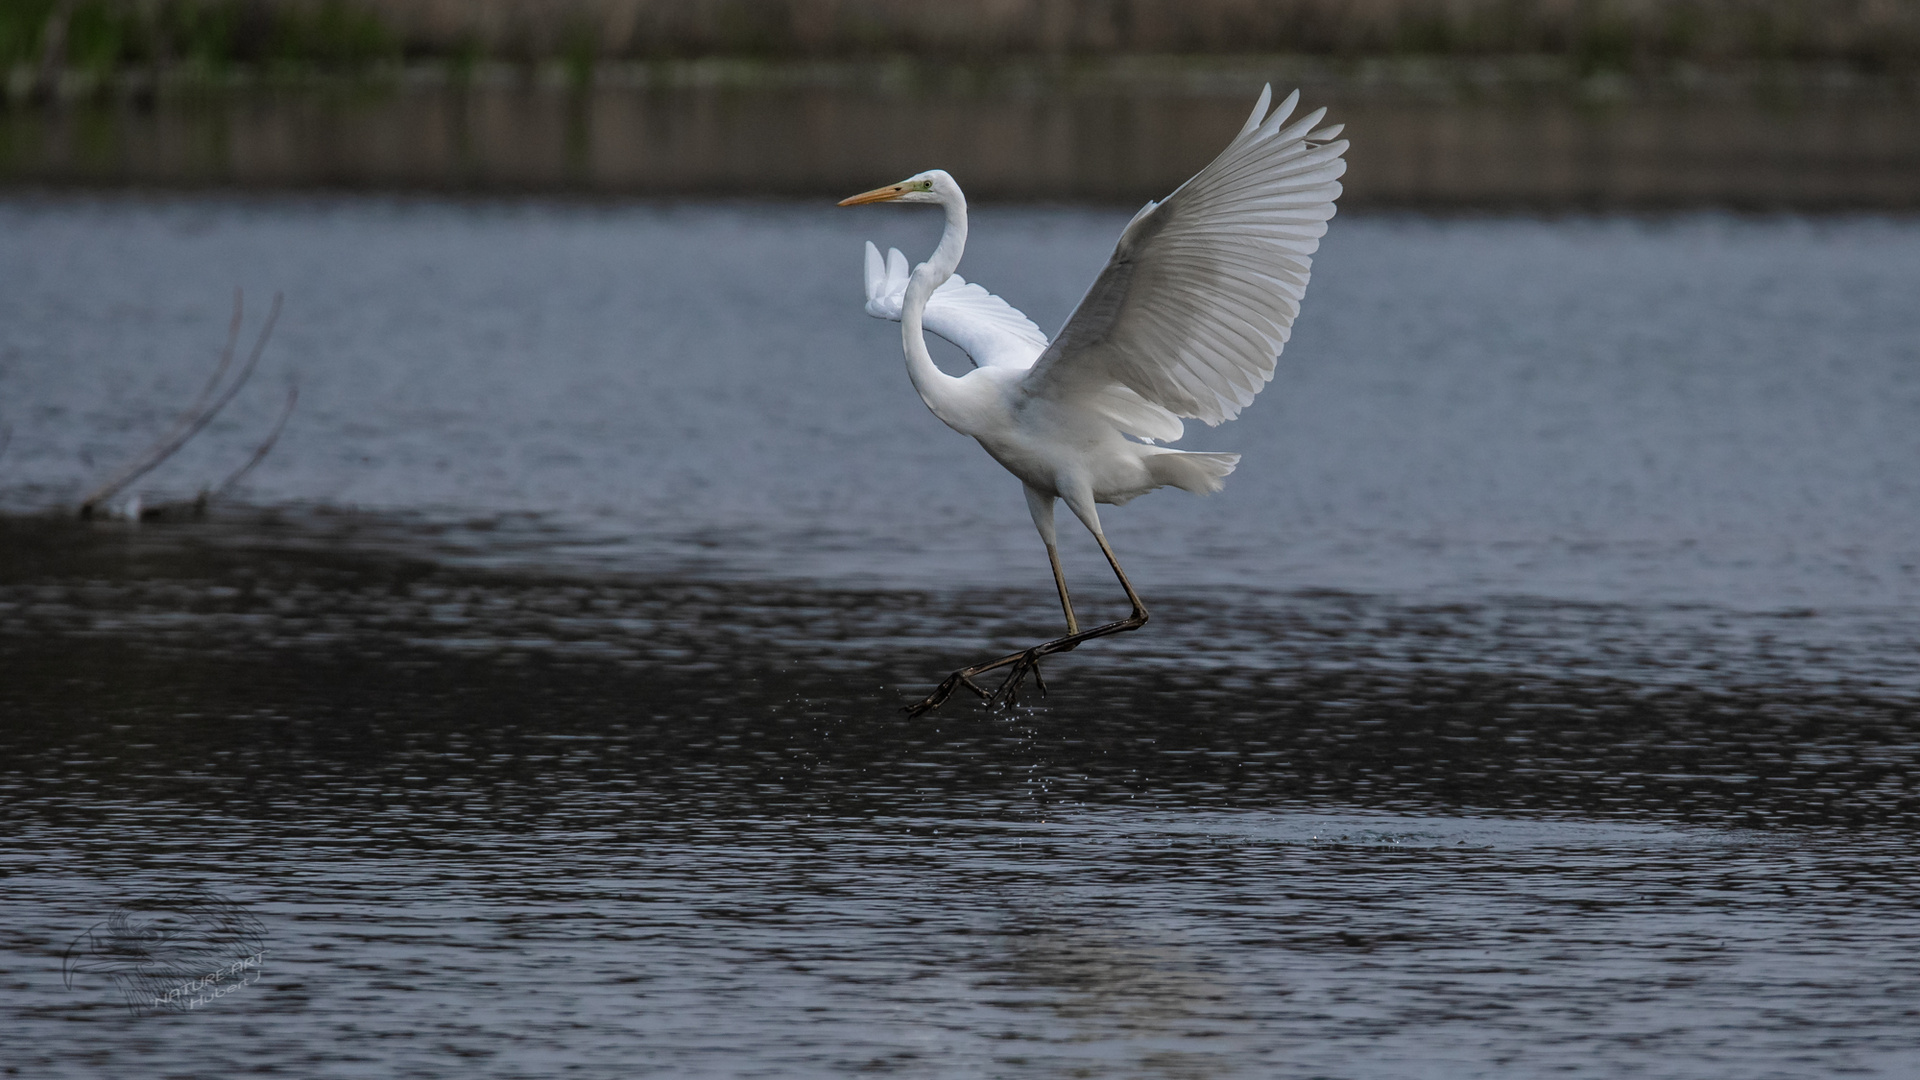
(879, 194)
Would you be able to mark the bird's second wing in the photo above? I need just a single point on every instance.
(1200, 295)
(991, 331)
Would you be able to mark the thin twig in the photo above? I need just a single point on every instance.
(190, 414)
(146, 460)
(195, 420)
(226, 361)
(265, 448)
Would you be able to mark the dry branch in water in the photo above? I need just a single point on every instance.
(195, 419)
(260, 453)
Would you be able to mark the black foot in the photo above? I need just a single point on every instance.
(1024, 663)
(945, 690)
(1008, 695)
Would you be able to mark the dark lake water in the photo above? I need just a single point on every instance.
(1542, 696)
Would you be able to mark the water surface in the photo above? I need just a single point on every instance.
(1539, 696)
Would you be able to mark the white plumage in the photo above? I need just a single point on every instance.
(1185, 321)
(992, 332)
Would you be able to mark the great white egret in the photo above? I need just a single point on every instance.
(1186, 320)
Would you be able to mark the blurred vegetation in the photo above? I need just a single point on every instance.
(99, 36)
(104, 36)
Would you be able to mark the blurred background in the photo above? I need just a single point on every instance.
(1757, 104)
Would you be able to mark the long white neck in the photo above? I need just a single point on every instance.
(937, 388)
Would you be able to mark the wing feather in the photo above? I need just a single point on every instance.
(1192, 310)
(992, 332)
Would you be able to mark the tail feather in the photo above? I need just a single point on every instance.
(1200, 473)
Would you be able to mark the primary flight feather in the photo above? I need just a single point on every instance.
(1185, 321)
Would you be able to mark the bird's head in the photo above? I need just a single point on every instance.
(932, 186)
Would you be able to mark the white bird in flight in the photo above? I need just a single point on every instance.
(1186, 320)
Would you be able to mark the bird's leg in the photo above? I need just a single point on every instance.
(1027, 661)
(1139, 609)
(1060, 582)
(1010, 686)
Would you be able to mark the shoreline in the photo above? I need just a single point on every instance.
(1516, 134)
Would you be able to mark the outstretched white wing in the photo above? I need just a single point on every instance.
(1201, 292)
(991, 331)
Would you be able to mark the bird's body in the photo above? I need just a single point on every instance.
(1062, 449)
(1186, 320)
